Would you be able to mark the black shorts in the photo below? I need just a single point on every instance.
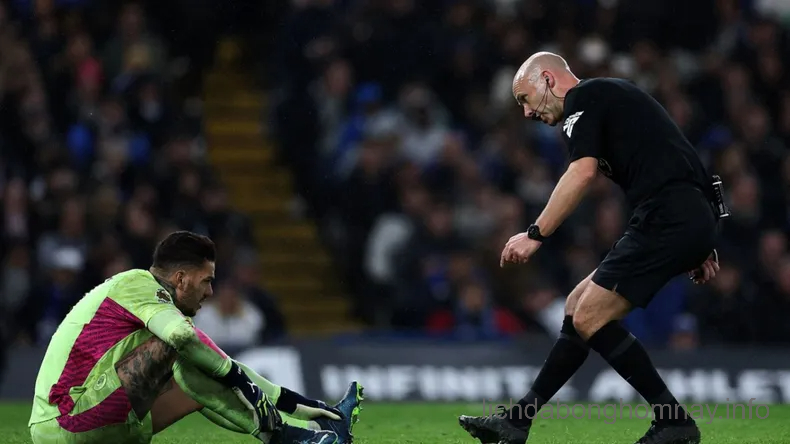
(665, 237)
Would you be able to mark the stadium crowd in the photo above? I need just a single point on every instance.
(102, 155)
(398, 121)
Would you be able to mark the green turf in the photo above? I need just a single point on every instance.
(437, 424)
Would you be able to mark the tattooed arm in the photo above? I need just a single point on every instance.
(151, 302)
(178, 332)
(146, 373)
(147, 368)
(174, 329)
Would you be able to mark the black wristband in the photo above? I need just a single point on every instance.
(288, 400)
(236, 378)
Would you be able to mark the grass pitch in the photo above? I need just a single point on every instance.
(438, 424)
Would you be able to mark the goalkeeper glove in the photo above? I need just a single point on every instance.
(267, 418)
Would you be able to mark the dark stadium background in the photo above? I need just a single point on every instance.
(360, 164)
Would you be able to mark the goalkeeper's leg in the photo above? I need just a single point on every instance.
(348, 406)
(214, 400)
(217, 401)
(287, 402)
(163, 390)
(148, 378)
(220, 420)
(299, 411)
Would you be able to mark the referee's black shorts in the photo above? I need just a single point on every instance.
(667, 236)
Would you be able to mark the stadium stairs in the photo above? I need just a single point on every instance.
(296, 267)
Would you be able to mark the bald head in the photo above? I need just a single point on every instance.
(540, 85)
(539, 62)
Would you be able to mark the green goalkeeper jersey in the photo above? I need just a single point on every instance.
(77, 382)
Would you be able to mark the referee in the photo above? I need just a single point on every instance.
(613, 128)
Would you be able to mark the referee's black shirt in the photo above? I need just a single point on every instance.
(637, 144)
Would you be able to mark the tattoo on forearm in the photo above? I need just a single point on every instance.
(146, 373)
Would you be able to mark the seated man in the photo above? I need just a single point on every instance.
(127, 362)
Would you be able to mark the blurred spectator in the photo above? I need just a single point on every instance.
(725, 309)
(388, 237)
(16, 215)
(17, 281)
(656, 324)
(70, 232)
(53, 298)
(474, 317)
(221, 220)
(370, 119)
(424, 273)
(246, 275)
(684, 333)
(230, 319)
(773, 305)
(544, 306)
(391, 231)
(133, 49)
(422, 132)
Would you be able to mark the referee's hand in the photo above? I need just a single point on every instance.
(518, 249)
(707, 270)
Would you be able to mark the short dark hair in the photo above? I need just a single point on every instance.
(184, 249)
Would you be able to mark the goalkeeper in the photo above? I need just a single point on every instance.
(127, 362)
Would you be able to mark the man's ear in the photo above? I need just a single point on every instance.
(549, 79)
(179, 279)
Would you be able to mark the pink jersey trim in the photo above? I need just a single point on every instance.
(109, 325)
(114, 409)
(206, 340)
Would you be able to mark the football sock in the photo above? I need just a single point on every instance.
(565, 358)
(630, 360)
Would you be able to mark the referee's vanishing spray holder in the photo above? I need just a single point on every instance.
(718, 190)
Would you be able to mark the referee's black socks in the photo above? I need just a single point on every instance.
(565, 358)
(630, 359)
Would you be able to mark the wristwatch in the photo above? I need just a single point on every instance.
(533, 232)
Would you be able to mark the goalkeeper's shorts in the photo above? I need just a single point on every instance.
(131, 432)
